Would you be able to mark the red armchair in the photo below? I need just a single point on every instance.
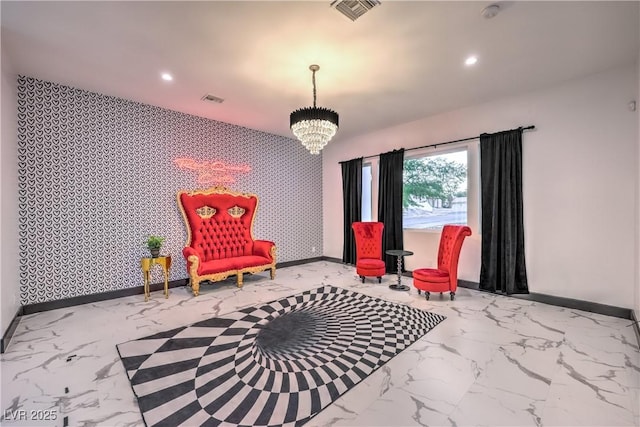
(369, 260)
(445, 277)
(220, 239)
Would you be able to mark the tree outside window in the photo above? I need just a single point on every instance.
(435, 190)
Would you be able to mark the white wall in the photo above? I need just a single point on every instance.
(637, 283)
(9, 281)
(580, 184)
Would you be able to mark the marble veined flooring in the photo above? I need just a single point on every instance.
(495, 360)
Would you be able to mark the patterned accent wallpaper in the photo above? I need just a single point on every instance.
(96, 176)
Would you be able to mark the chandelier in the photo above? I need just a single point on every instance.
(314, 126)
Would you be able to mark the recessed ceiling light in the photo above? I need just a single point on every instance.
(471, 60)
(490, 11)
(167, 77)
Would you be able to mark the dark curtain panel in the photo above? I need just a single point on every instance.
(390, 204)
(352, 203)
(502, 266)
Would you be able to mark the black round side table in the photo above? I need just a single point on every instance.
(400, 253)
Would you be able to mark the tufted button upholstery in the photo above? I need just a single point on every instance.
(368, 236)
(445, 277)
(217, 239)
(220, 236)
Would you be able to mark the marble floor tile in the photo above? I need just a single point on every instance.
(487, 406)
(576, 401)
(494, 361)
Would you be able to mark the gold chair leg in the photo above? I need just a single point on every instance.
(273, 273)
(239, 279)
(195, 287)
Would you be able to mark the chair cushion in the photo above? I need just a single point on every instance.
(431, 275)
(250, 261)
(217, 266)
(229, 264)
(370, 267)
(370, 263)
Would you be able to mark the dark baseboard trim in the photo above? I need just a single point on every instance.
(119, 293)
(87, 299)
(4, 343)
(331, 259)
(469, 285)
(636, 325)
(298, 262)
(592, 307)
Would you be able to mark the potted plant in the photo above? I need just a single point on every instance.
(154, 243)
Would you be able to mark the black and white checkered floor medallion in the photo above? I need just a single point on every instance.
(276, 364)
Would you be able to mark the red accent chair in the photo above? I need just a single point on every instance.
(445, 277)
(369, 260)
(220, 239)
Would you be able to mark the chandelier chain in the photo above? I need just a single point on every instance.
(313, 79)
(314, 126)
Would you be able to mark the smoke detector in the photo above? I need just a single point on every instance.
(354, 9)
(212, 98)
(490, 11)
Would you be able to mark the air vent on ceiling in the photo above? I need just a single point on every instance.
(212, 98)
(354, 9)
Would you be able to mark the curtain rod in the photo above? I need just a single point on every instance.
(440, 143)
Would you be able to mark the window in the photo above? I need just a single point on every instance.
(366, 192)
(435, 190)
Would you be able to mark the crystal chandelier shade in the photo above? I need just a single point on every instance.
(314, 126)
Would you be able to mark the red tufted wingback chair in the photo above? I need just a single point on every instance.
(445, 277)
(220, 239)
(369, 261)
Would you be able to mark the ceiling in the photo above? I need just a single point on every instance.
(399, 62)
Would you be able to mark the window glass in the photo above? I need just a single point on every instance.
(366, 192)
(435, 190)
